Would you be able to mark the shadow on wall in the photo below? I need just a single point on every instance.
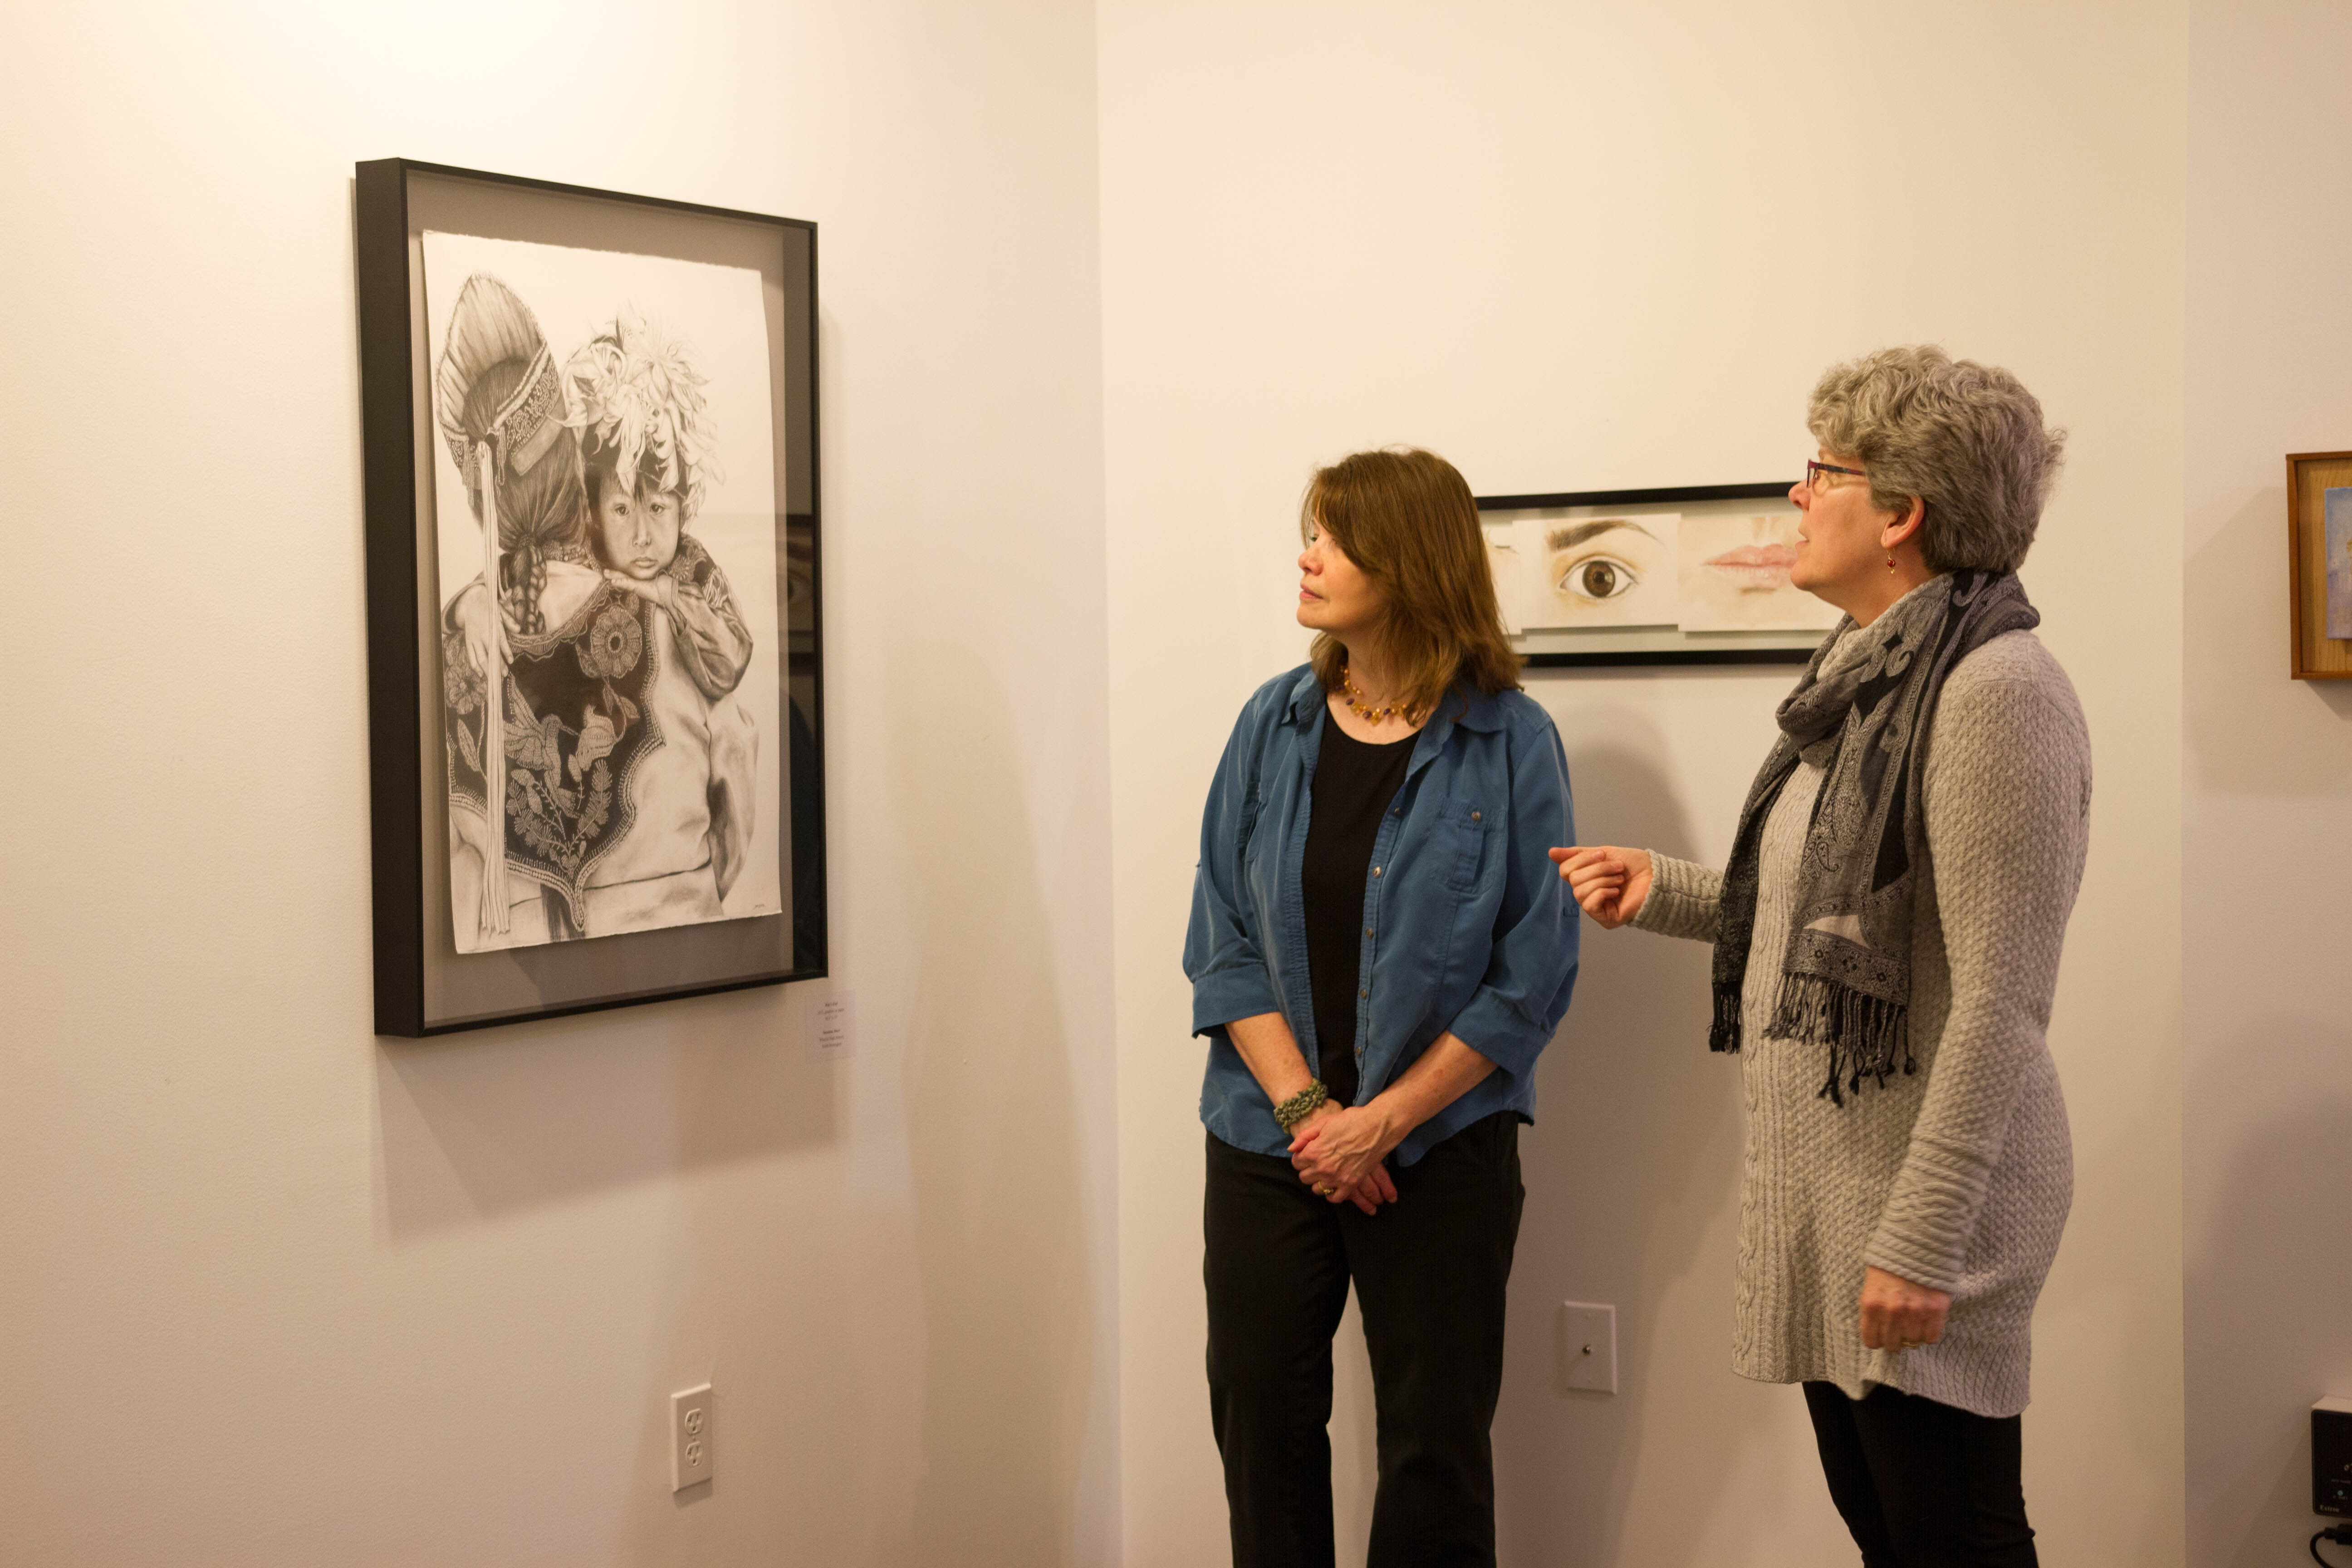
(486, 1123)
(1634, 1154)
(2281, 1193)
(993, 1132)
(1632, 1175)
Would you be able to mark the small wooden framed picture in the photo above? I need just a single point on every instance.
(2319, 564)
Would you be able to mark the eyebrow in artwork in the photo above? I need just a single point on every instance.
(1574, 534)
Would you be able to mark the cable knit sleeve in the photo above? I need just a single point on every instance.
(2007, 799)
(1685, 899)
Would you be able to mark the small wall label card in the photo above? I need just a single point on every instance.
(836, 1034)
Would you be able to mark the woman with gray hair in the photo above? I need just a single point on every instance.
(1886, 940)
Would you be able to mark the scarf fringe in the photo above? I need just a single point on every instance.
(1723, 1034)
(1868, 1037)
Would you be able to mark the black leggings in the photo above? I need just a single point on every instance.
(1923, 1485)
(1431, 1272)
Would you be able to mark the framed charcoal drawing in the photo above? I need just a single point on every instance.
(2320, 564)
(1691, 576)
(594, 603)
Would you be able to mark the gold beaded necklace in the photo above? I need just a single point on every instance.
(1362, 706)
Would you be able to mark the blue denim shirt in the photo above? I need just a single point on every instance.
(1467, 926)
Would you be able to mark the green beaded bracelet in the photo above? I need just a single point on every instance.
(1302, 1105)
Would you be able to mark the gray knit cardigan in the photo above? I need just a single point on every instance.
(1958, 1177)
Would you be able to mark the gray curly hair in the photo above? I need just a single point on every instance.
(1966, 438)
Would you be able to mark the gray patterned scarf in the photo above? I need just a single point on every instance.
(1846, 983)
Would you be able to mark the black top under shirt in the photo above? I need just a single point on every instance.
(1355, 781)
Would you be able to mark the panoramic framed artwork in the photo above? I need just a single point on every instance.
(2320, 564)
(1697, 575)
(594, 603)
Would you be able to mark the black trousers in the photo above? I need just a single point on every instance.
(1923, 1485)
(1430, 1272)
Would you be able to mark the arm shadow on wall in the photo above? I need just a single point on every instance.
(2267, 1277)
(1633, 1174)
(492, 1121)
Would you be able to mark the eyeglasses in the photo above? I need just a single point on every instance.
(1814, 470)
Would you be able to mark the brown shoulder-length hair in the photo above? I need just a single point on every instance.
(1406, 518)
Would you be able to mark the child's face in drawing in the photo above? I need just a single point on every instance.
(637, 531)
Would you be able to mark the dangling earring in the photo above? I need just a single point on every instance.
(1890, 563)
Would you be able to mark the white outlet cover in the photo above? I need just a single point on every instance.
(1588, 1347)
(689, 1438)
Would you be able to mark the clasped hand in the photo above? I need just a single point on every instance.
(1338, 1152)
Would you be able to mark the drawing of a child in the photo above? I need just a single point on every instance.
(648, 458)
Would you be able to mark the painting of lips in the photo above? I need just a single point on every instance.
(1735, 577)
(1760, 567)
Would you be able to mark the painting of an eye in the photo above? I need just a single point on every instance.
(1600, 577)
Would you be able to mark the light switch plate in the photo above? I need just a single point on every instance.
(689, 1438)
(1588, 1347)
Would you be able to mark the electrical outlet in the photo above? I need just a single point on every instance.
(689, 1438)
(1588, 1347)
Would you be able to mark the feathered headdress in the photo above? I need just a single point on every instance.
(500, 402)
(632, 394)
(496, 381)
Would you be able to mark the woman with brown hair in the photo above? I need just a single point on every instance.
(1379, 952)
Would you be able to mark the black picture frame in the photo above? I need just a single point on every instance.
(423, 986)
(1780, 648)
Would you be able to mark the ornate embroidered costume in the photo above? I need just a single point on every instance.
(578, 725)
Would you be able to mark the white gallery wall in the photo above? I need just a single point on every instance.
(278, 1293)
(2268, 766)
(1612, 244)
(1100, 282)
